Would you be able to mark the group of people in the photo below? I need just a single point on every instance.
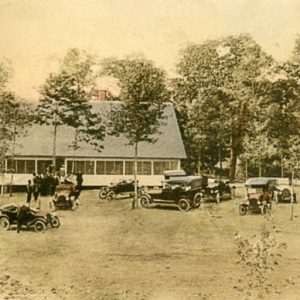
(45, 185)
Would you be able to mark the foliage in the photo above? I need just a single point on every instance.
(15, 116)
(221, 71)
(260, 256)
(143, 94)
(64, 100)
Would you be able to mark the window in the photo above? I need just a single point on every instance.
(42, 166)
(83, 166)
(161, 166)
(129, 168)
(109, 167)
(21, 166)
(143, 168)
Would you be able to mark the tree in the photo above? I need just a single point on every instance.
(226, 67)
(143, 94)
(65, 97)
(279, 101)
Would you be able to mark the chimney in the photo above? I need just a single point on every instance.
(101, 95)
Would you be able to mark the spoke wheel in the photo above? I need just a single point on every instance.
(4, 223)
(39, 226)
(184, 205)
(242, 209)
(111, 195)
(102, 193)
(55, 222)
(197, 201)
(145, 201)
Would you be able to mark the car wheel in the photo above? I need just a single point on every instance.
(55, 222)
(184, 205)
(111, 195)
(243, 209)
(39, 226)
(4, 223)
(145, 201)
(102, 193)
(264, 209)
(197, 201)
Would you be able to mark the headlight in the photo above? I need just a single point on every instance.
(258, 202)
(187, 188)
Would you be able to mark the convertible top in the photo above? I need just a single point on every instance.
(261, 181)
(184, 179)
(174, 173)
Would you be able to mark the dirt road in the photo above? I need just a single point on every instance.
(105, 250)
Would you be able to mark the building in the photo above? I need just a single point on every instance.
(116, 160)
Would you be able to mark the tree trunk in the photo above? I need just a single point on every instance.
(54, 146)
(259, 168)
(281, 165)
(292, 198)
(220, 160)
(13, 160)
(74, 150)
(199, 166)
(135, 199)
(233, 161)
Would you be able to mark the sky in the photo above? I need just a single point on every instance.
(35, 33)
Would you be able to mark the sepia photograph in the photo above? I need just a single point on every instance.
(149, 150)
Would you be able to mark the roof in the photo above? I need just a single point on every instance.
(38, 141)
(260, 180)
(183, 179)
(174, 173)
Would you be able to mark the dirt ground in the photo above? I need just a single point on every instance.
(105, 250)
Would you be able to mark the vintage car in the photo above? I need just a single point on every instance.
(218, 191)
(183, 192)
(283, 194)
(32, 219)
(259, 195)
(122, 187)
(66, 197)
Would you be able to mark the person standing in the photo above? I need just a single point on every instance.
(29, 190)
(37, 181)
(22, 213)
(79, 180)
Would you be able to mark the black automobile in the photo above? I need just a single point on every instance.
(259, 195)
(32, 218)
(218, 191)
(122, 187)
(183, 192)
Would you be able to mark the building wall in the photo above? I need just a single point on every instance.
(96, 172)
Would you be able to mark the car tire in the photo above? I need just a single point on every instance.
(4, 223)
(102, 193)
(39, 226)
(111, 195)
(243, 209)
(184, 205)
(197, 200)
(55, 222)
(145, 201)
